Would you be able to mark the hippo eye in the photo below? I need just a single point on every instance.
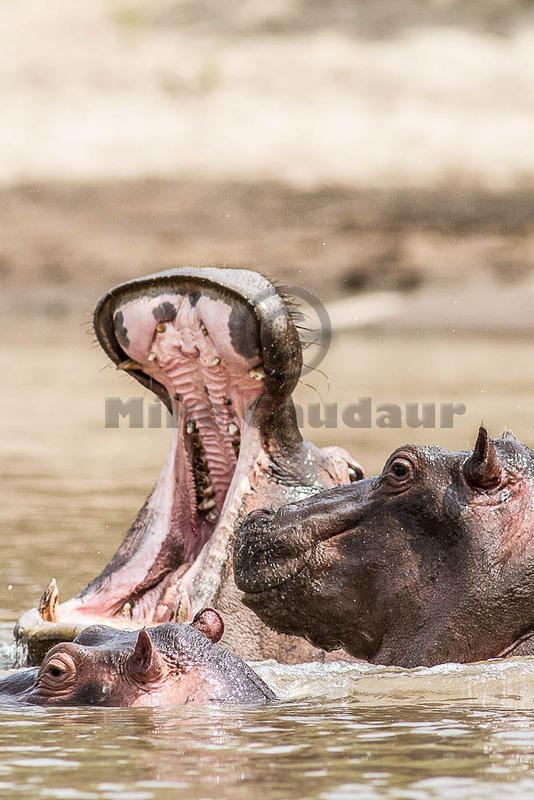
(258, 514)
(399, 472)
(400, 469)
(55, 671)
(58, 668)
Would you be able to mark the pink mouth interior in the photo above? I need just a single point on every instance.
(190, 344)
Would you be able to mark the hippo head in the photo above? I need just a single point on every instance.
(219, 347)
(168, 665)
(431, 561)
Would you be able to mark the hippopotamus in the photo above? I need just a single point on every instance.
(431, 561)
(168, 665)
(220, 348)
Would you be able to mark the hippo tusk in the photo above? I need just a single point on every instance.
(49, 602)
(129, 364)
(127, 611)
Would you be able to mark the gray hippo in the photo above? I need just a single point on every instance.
(168, 665)
(429, 562)
(220, 348)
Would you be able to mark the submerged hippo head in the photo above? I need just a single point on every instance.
(220, 349)
(168, 665)
(431, 561)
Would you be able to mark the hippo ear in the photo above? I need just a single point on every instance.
(143, 655)
(210, 623)
(482, 468)
(509, 435)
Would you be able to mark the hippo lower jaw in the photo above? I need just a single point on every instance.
(157, 583)
(219, 348)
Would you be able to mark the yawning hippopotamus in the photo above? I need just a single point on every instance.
(168, 665)
(220, 348)
(431, 561)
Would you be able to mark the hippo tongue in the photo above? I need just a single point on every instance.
(219, 348)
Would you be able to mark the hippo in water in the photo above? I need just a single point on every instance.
(168, 665)
(220, 348)
(429, 562)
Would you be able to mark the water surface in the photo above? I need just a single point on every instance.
(70, 487)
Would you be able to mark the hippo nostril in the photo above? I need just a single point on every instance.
(257, 515)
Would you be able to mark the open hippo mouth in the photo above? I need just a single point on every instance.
(220, 349)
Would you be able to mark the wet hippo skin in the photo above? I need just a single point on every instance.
(168, 665)
(431, 561)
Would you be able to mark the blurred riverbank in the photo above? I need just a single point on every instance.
(457, 260)
(343, 147)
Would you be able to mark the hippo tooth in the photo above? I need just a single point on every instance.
(212, 516)
(207, 491)
(215, 361)
(151, 357)
(161, 328)
(49, 601)
(206, 504)
(183, 609)
(233, 429)
(256, 373)
(127, 611)
(190, 427)
(352, 474)
(129, 364)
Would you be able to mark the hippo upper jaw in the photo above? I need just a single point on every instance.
(283, 563)
(220, 349)
(274, 545)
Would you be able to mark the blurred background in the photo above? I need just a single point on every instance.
(381, 155)
(347, 146)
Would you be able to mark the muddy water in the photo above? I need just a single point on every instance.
(69, 488)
